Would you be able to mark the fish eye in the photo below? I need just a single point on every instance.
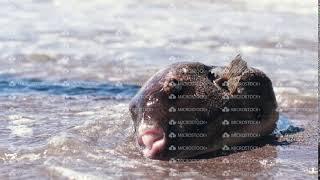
(173, 83)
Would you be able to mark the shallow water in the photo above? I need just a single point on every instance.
(69, 68)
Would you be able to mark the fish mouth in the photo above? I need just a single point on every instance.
(153, 142)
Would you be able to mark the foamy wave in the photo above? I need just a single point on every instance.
(20, 120)
(86, 113)
(21, 130)
(58, 140)
(10, 157)
(20, 126)
(72, 174)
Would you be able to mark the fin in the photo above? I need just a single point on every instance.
(235, 68)
(233, 73)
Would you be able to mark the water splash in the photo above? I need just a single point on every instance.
(285, 126)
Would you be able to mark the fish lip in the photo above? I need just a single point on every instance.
(147, 132)
(158, 145)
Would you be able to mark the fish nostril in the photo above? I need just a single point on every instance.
(132, 108)
(211, 76)
(133, 112)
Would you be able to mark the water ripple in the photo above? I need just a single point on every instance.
(11, 85)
